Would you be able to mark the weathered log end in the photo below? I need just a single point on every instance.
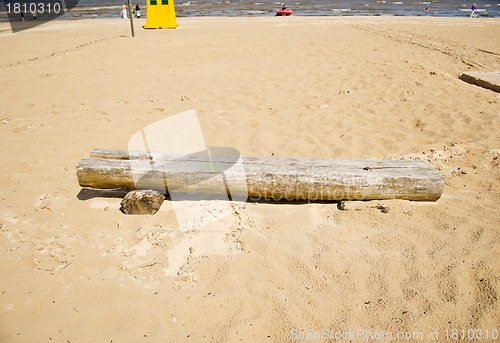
(98, 173)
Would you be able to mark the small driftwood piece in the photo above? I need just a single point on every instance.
(142, 202)
(489, 80)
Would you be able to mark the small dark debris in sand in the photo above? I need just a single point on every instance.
(382, 209)
(341, 205)
(459, 172)
(495, 161)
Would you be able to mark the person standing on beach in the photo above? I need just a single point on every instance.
(137, 11)
(473, 9)
(124, 11)
(427, 8)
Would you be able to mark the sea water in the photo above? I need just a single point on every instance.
(237, 8)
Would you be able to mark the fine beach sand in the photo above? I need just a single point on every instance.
(75, 269)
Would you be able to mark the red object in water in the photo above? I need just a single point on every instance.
(280, 11)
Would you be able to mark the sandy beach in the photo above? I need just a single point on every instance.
(76, 269)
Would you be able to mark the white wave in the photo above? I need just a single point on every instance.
(97, 8)
(468, 9)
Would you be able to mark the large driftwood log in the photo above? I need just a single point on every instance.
(274, 177)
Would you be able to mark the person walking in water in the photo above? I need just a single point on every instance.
(426, 7)
(473, 9)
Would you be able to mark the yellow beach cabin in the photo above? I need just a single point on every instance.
(160, 14)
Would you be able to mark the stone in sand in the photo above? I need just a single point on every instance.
(142, 202)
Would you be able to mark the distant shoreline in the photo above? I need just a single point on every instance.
(6, 21)
(143, 18)
(315, 8)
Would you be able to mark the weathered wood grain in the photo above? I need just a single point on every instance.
(490, 80)
(274, 177)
